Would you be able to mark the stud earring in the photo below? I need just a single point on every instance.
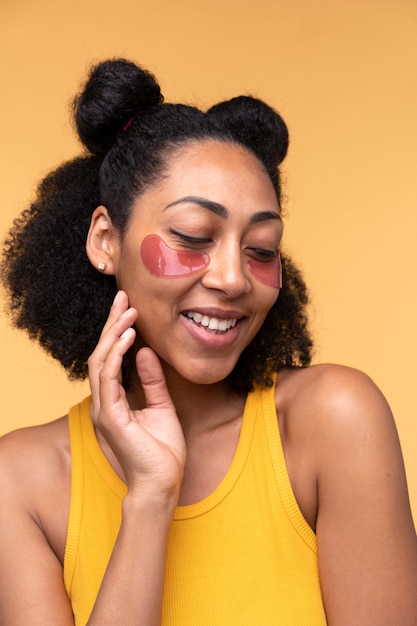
(101, 267)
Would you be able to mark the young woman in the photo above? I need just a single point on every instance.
(212, 477)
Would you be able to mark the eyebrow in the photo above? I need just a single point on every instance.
(221, 211)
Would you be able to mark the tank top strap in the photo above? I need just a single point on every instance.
(265, 398)
(77, 464)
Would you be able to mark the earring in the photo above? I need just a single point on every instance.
(101, 267)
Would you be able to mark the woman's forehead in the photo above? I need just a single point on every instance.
(210, 167)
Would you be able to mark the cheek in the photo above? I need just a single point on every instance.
(269, 274)
(166, 262)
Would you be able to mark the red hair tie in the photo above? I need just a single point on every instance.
(126, 126)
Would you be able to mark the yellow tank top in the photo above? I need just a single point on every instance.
(244, 555)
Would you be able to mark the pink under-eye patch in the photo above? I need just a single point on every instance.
(165, 262)
(269, 273)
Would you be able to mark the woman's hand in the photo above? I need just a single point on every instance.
(148, 443)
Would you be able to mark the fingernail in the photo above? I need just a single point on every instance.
(126, 333)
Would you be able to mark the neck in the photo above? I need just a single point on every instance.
(199, 407)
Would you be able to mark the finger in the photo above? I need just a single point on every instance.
(120, 304)
(152, 379)
(110, 391)
(112, 333)
(120, 319)
(98, 359)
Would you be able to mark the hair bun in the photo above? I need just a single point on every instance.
(255, 124)
(115, 91)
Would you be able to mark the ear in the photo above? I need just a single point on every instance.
(103, 242)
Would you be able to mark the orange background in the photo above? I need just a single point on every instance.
(342, 73)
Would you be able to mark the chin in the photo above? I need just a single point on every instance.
(204, 374)
(207, 380)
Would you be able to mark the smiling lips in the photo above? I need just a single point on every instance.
(213, 324)
(165, 262)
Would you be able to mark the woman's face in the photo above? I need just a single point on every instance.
(199, 259)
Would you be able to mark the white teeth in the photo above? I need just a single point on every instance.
(212, 323)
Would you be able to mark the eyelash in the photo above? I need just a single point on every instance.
(189, 238)
(268, 255)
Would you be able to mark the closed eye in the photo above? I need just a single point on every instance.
(190, 239)
(263, 254)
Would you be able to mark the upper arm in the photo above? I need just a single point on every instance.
(367, 546)
(31, 580)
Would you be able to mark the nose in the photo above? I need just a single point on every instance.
(227, 271)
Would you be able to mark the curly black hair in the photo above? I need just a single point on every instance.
(129, 134)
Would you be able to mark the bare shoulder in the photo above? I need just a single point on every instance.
(338, 428)
(35, 480)
(36, 451)
(35, 477)
(330, 398)
(329, 382)
(321, 409)
(339, 421)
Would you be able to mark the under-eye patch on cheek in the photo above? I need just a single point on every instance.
(269, 273)
(165, 262)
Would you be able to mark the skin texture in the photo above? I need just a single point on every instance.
(165, 262)
(230, 235)
(167, 434)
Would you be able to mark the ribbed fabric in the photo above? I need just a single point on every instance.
(243, 556)
(95, 514)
